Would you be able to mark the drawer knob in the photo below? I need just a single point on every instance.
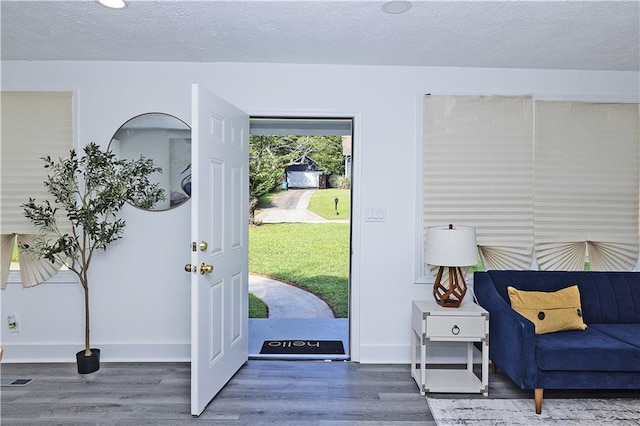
(455, 330)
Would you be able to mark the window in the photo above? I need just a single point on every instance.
(586, 185)
(34, 125)
(477, 171)
(542, 182)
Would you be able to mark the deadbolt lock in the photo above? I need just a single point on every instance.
(203, 245)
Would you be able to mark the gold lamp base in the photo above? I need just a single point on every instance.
(451, 296)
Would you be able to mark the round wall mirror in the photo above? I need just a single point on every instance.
(167, 141)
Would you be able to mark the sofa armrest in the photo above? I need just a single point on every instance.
(512, 337)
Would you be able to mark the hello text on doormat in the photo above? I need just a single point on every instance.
(302, 347)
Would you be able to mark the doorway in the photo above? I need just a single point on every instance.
(300, 239)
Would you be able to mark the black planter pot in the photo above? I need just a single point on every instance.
(88, 364)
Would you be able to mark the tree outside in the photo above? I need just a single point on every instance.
(323, 269)
(270, 155)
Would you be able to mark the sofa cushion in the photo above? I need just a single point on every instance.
(607, 297)
(587, 350)
(549, 311)
(628, 333)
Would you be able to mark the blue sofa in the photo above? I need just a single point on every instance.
(604, 356)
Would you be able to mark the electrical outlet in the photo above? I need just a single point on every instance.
(13, 322)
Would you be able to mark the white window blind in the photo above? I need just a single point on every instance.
(33, 125)
(478, 171)
(586, 185)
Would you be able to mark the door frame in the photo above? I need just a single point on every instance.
(356, 209)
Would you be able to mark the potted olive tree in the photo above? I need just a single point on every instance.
(89, 191)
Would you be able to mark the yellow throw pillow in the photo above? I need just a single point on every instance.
(549, 311)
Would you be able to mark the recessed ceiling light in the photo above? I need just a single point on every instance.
(113, 4)
(395, 7)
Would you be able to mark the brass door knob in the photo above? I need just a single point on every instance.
(206, 269)
(188, 267)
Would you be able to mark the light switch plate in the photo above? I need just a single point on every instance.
(376, 214)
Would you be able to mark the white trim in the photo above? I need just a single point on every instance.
(420, 277)
(356, 223)
(62, 277)
(109, 352)
(603, 98)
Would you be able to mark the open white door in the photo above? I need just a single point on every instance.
(219, 252)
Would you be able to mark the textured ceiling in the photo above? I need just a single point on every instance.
(586, 35)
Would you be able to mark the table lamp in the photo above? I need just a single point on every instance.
(450, 247)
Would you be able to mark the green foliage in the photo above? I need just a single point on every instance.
(266, 200)
(325, 151)
(322, 203)
(339, 181)
(266, 166)
(477, 267)
(270, 155)
(257, 308)
(90, 192)
(14, 254)
(313, 256)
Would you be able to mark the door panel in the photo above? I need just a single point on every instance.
(236, 316)
(215, 338)
(219, 218)
(216, 201)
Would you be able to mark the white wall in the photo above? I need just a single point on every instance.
(140, 293)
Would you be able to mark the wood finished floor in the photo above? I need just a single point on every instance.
(262, 392)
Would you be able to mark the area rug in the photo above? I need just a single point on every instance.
(302, 347)
(515, 412)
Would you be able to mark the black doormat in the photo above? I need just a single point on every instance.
(302, 347)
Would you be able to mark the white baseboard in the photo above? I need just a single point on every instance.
(39, 353)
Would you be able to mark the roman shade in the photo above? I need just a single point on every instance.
(586, 185)
(560, 177)
(34, 125)
(477, 171)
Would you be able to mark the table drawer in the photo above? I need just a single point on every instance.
(452, 327)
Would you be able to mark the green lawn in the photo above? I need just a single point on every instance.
(265, 200)
(323, 203)
(257, 308)
(14, 255)
(313, 256)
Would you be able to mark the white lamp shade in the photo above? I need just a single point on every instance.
(451, 247)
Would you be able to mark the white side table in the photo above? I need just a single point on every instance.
(432, 323)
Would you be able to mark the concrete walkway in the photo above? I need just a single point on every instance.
(287, 301)
(293, 313)
(291, 206)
